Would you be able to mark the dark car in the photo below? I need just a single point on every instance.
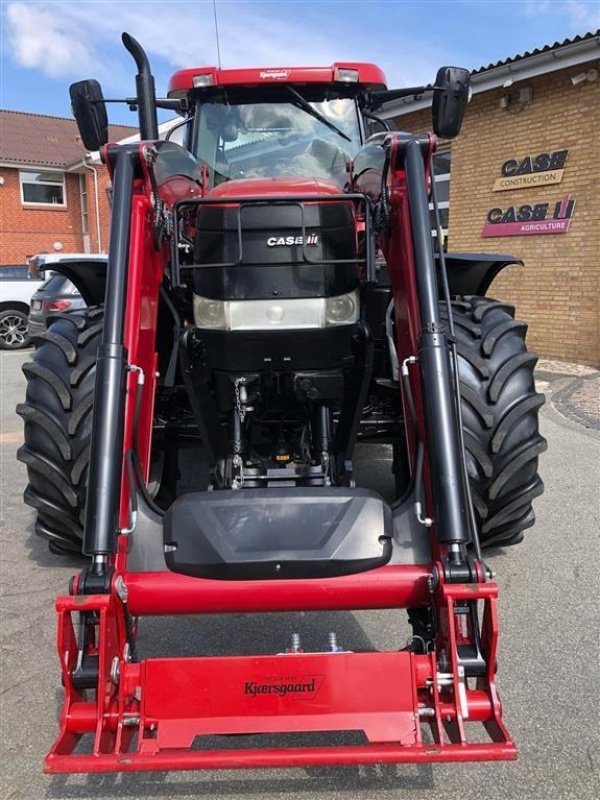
(55, 294)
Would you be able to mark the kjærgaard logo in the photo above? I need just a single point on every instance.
(274, 74)
(305, 686)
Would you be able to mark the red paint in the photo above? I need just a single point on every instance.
(274, 187)
(152, 593)
(368, 75)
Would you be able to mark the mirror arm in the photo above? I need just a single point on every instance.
(172, 103)
(375, 99)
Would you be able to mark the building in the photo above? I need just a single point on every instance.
(522, 178)
(51, 198)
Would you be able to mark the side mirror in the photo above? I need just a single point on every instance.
(450, 97)
(89, 110)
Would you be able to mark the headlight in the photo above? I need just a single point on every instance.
(286, 313)
(209, 313)
(341, 310)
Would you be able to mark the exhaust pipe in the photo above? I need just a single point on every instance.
(145, 91)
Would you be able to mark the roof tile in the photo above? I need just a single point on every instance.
(44, 140)
(537, 51)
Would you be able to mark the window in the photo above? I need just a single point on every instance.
(14, 272)
(43, 188)
(271, 131)
(441, 164)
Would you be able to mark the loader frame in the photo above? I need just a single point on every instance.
(148, 714)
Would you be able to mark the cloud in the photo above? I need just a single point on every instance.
(40, 39)
(70, 38)
(582, 15)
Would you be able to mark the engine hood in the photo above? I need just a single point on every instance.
(274, 187)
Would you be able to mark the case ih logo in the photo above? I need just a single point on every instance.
(289, 241)
(274, 74)
(305, 686)
(530, 219)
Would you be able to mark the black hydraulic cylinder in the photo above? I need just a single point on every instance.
(106, 450)
(434, 358)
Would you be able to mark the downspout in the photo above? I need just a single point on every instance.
(96, 203)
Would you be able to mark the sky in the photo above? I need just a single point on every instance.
(45, 45)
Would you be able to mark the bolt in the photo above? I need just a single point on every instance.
(432, 581)
(333, 644)
(121, 589)
(296, 646)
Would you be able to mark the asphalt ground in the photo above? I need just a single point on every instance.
(548, 660)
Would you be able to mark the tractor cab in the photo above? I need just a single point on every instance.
(276, 123)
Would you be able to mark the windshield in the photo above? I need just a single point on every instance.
(251, 135)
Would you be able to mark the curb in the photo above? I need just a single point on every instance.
(561, 400)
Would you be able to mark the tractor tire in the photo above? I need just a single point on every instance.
(500, 408)
(57, 413)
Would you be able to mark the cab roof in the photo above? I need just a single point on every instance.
(367, 76)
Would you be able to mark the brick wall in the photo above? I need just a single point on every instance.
(27, 230)
(558, 290)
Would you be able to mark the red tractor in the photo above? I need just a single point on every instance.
(274, 295)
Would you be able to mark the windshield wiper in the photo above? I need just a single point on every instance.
(306, 106)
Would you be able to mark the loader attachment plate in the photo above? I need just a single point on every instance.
(285, 693)
(215, 712)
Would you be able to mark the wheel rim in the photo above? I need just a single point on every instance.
(13, 330)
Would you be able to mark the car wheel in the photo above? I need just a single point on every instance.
(13, 329)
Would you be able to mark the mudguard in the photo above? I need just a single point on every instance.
(88, 276)
(472, 273)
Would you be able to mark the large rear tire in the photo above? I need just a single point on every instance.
(500, 408)
(58, 424)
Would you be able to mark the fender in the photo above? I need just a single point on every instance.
(88, 276)
(468, 273)
(472, 273)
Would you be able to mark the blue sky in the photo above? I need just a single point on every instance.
(46, 45)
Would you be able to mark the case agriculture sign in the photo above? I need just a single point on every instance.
(542, 169)
(530, 218)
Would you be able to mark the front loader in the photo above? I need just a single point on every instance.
(274, 295)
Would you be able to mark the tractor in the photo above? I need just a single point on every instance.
(276, 294)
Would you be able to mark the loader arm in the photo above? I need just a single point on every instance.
(117, 695)
(262, 271)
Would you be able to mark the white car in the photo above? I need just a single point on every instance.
(17, 283)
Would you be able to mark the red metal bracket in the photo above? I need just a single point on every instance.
(151, 715)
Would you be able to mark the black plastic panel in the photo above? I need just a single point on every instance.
(277, 533)
(289, 350)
